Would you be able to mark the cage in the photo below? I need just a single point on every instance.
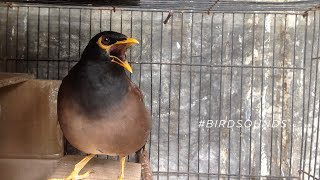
(232, 85)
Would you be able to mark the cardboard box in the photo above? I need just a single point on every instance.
(28, 115)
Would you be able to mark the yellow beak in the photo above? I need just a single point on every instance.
(123, 63)
(126, 43)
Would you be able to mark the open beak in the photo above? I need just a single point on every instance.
(128, 41)
(124, 44)
(124, 63)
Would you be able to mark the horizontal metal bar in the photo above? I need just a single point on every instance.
(222, 175)
(172, 64)
(223, 65)
(264, 10)
(178, 3)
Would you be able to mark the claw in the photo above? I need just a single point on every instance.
(75, 176)
(77, 168)
(85, 175)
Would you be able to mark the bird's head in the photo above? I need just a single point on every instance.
(113, 45)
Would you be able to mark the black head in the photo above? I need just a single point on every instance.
(108, 37)
(110, 46)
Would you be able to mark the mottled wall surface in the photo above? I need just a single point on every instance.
(197, 69)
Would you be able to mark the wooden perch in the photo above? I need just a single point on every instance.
(102, 168)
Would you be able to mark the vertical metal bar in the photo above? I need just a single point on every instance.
(251, 90)
(111, 20)
(272, 99)
(241, 98)
(220, 96)
(121, 21)
(159, 100)
(90, 24)
(141, 32)
(130, 55)
(27, 39)
(230, 98)
(48, 48)
(38, 43)
(304, 92)
(100, 20)
(7, 41)
(315, 97)
(69, 37)
(282, 104)
(79, 35)
(140, 65)
(293, 92)
(200, 81)
(170, 79)
(17, 37)
(318, 126)
(151, 87)
(190, 96)
(210, 95)
(307, 125)
(262, 87)
(179, 96)
(59, 42)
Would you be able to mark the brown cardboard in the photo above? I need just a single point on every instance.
(29, 126)
(7, 79)
(26, 169)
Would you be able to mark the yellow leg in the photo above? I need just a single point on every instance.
(122, 162)
(77, 168)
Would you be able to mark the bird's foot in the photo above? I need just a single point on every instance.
(122, 162)
(75, 176)
(77, 168)
(120, 178)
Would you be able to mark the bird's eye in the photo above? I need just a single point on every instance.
(105, 41)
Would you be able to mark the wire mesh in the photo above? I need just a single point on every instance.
(233, 95)
(188, 5)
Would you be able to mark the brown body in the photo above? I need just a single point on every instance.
(121, 130)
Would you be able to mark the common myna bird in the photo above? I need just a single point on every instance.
(100, 110)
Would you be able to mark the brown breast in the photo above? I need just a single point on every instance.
(123, 129)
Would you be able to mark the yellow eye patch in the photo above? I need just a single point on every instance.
(103, 46)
